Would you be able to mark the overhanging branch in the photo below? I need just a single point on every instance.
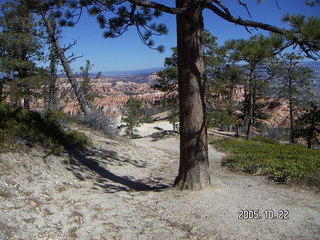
(161, 7)
(246, 23)
(310, 47)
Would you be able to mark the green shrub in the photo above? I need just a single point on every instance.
(55, 116)
(287, 163)
(265, 140)
(19, 127)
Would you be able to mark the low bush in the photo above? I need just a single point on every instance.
(98, 121)
(266, 140)
(284, 162)
(19, 127)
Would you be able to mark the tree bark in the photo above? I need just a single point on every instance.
(194, 163)
(250, 118)
(1, 92)
(292, 137)
(292, 133)
(60, 53)
(52, 98)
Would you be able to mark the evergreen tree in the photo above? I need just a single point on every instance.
(293, 85)
(133, 116)
(255, 52)
(167, 82)
(308, 125)
(86, 85)
(51, 91)
(221, 86)
(20, 48)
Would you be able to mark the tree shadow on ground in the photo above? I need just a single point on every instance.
(89, 164)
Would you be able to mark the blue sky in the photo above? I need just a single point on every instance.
(129, 53)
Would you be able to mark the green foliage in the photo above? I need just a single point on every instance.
(266, 140)
(221, 117)
(256, 52)
(305, 32)
(86, 85)
(168, 82)
(123, 17)
(20, 48)
(308, 125)
(287, 163)
(292, 84)
(20, 127)
(222, 80)
(313, 3)
(272, 132)
(147, 118)
(174, 117)
(133, 116)
(292, 78)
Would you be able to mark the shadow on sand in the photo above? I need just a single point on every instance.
(91, 164)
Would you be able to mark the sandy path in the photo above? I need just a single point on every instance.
(213, 212)
(118, 190)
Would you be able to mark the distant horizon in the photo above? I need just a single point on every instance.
(145, 70)
(138, 70)
(110, 73)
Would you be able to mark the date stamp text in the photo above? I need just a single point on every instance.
(266, 214)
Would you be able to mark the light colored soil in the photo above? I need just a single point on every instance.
(118, 190)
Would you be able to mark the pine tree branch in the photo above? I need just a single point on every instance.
(161, 7)
(225, 9)
(240, 21)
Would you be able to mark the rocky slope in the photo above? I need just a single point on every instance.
(112, 92)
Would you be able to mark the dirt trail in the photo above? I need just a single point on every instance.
(119, 190)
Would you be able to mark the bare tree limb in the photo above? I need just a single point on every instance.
(277, 4)
(245, 6)
(73, 57)
(70, 45)
(85, 104)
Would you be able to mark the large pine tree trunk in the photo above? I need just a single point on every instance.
(60, 53)
(194, 164)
